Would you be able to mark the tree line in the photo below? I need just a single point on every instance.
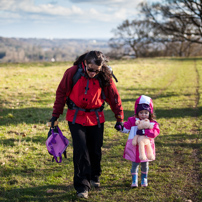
(33, 49)
(169, 28)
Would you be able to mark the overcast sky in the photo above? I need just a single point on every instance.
(64, 18)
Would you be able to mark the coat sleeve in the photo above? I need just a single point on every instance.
(128, 124)
(154, 132)
(63, 91)
(114, 100)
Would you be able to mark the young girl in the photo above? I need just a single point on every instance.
(143, 110)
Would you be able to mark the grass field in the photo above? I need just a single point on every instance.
(27, 93)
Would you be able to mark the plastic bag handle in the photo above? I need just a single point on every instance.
(56, 159)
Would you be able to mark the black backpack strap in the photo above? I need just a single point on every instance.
(110, 69)
(114, 77)
(75, 78)
(77, 75)
(103, 94)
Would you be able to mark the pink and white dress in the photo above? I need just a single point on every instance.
(132, 152)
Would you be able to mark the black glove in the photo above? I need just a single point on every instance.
(118, 126)
(55, 129)
(52, 120)
(49, 132)
(140, 132)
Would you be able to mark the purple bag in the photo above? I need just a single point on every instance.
(57, 144)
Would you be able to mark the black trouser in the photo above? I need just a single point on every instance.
(87, 143)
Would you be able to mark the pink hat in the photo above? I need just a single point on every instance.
(143, 99)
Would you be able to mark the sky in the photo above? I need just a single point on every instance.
(79, 19)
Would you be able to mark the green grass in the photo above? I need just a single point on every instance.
(26, 99)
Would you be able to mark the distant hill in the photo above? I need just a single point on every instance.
(33, 49)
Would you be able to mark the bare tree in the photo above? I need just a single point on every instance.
(180, 19)
(134, 35)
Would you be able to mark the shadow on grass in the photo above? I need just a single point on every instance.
(155, 96)
(178, 141)
(35, 139)
(30, 115)
(180, 137)
(42, 115)
(154, 93)
(170, 113)
(57, 193)
(26, 171)
(183, 145)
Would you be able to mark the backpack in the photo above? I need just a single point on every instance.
(80, 73)
(56, 144)
(72, 105)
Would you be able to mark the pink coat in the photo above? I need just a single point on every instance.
(132, 152)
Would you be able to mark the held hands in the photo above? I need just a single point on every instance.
(119, 126)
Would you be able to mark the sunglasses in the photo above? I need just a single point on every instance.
(93, 70)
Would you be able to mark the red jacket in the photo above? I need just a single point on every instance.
(91, 100)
